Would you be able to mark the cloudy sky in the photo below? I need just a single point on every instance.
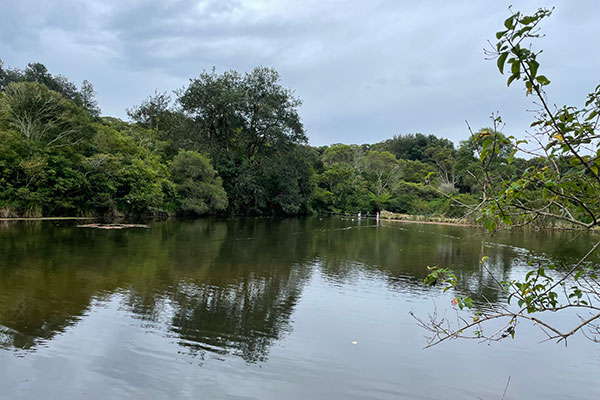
(365, 70)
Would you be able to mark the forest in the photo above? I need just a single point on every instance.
(227, 144)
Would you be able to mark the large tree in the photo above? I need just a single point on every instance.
(250, 126)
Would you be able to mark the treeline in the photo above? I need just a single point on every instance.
(227, 143)
(410, 174)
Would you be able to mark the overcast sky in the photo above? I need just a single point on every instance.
(365, 70)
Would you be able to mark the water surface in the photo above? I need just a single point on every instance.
(268, 309)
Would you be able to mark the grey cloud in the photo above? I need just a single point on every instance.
(365, 69)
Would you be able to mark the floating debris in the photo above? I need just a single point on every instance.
(113, 226)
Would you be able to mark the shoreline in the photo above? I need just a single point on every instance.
(46, 218)
(401, 220)
(413, 221)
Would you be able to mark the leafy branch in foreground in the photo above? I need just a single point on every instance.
(562, 186)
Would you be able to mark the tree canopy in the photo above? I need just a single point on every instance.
(238, 135)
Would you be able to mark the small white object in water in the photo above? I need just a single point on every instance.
(355, 342)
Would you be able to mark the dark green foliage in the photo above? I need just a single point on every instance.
(416, 147)
(228, 142)
(250, 127)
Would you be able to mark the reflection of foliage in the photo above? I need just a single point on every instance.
(191, 268)
(244, 319)
(230, 287)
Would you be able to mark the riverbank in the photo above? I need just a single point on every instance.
(47, 218)
(414, 221)
(423, 219)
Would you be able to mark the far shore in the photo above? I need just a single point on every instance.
(413, 221)
(46, 218)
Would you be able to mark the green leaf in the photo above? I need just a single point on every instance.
(527, 20)
(542, 80)
(528, 275)
(516, 68)
(533, 67)
(502, 61)
(490, 225)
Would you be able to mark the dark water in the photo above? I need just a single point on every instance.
(268, 309)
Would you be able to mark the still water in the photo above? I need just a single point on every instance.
(269, 309)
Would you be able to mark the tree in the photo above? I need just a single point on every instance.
(152, 111)
(37, 72)
(88, 98)
(444, 160)
(42, 115)
(348, 156)
(562, 185)
(415, 147)
(8, 75)
(383, 171)
(124, 177)
(199, 190)
(250, 126)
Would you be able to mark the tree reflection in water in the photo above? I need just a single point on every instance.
(230, 287)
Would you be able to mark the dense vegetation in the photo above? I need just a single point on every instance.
(227, 143)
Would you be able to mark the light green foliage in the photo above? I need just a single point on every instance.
(199, 190)
(444, 159)
(354, 179)
(57, 161)
(417, 199)
(42, 115)
(343, 154)
(382, 170)
(38, 73)
(416, 171)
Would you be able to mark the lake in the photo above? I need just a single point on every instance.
(307, 308)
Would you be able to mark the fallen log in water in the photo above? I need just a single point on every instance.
(112, 226)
